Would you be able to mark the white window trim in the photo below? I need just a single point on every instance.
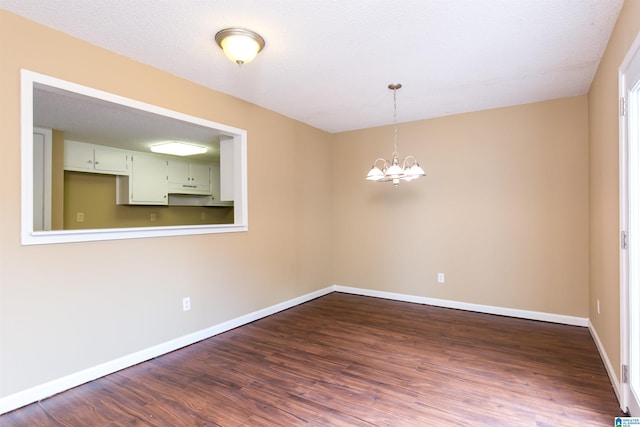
(31, 237)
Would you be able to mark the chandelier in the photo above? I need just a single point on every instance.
(395, 170)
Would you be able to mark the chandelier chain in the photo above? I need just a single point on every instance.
(395, 125)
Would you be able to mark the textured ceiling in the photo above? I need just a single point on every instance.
(328, 63)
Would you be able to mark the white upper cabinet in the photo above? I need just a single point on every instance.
(83, 157)
(213, 199)
(147, 183)
(187, 177)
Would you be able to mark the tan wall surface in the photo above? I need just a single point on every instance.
(68, 307)
(604, 228)
(503, 210)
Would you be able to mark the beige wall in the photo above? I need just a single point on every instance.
(503, 211)
(68, 307)
(604, 228)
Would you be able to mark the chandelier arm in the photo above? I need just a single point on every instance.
(407, 159)
(380, 159)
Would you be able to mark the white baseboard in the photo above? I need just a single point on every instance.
(613, 377)
(42, 391)
(502, 311)
(59, 385)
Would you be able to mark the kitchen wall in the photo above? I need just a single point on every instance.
(69, 307)
(604, 231)
(94, 195)
(57, 180)
(502, 212)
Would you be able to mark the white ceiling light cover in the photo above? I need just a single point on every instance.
(177, 148)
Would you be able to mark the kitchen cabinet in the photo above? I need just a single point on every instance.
(214, 199)
(185, 177)
(147, 182)
(84, 157)
(149, 179)
(216, 192)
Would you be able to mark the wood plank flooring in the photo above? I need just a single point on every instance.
(347, 360)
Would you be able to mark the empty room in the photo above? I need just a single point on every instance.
(388, 213)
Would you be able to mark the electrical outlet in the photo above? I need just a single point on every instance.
(440, 277)
(80, 217)
(153, 217)
(598, 306)
(204, 215)
(186, 304)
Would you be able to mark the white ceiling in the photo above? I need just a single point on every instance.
(328, 62)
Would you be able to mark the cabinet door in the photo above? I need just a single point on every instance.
(78, 156)
(148, 180)
(110, 160)
(201, 177)
(178, 173)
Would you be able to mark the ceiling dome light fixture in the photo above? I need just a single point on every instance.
(239, 45)
(391, 170)
(178, 148)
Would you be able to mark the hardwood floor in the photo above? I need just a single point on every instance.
(346, 360)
